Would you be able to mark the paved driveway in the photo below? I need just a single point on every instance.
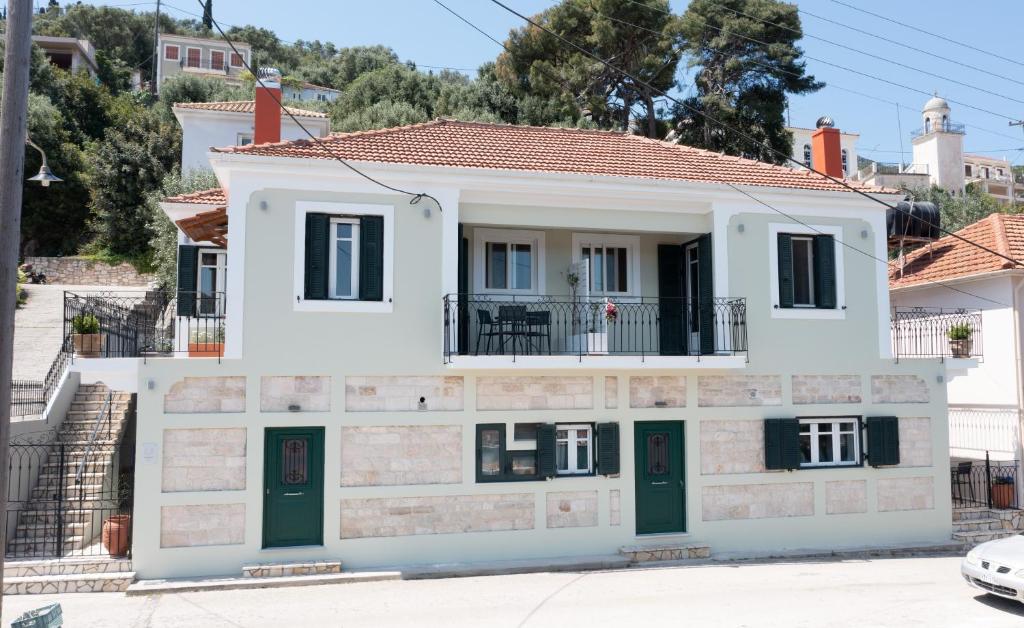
(910, 592)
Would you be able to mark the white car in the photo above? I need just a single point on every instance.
(997, 567)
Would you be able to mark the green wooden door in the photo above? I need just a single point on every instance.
(293, 487)
(660, 477)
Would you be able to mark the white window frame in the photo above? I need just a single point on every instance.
(810, 270)
(187, 50)
(243, 136)
(610, 240)
(231, 58)
(845, 156)
(834, 422)
(177, 49)
(333, 258)
(837, 313)
(223, 60)
(572, 439)
(221, 272)
(481, 237)
(299, 302)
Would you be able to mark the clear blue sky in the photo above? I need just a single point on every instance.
(421, 31)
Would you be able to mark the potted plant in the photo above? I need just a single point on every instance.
(960, 340)
(1002, 491)
(206, 343)
(86, 336)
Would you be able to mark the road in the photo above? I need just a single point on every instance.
(863, 593)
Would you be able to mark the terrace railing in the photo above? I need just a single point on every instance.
(928, 332)
(984, 483)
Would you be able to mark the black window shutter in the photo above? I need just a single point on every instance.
(782, 443)
(706, 295)
(188, 276)
(671, 305)
(785, 270)
(371, 258)
(825, 271)
(318, 232)
(883, 440)
(608, 448)
(546, 450)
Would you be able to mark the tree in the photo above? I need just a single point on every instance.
(164, 240)
(188, 88)
(958, 211)
(208, 15)
(740, 82)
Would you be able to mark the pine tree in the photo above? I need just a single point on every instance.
(208, 14)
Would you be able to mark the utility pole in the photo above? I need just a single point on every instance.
(13, 133)
(156, 51)
(1013, 177)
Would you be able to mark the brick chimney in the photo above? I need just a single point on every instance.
(826, 150)
(267, 126)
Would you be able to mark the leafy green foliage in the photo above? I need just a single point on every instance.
(164, 239)
(20, 295)
(85, 324)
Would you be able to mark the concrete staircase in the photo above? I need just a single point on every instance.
(972, 526)
(67, 575)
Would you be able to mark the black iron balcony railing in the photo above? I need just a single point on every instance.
(141, 324)
(931, 332)
(506, 325)
(986, 483)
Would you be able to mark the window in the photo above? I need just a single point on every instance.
(321, 97)
(846, 161)
(217, 60)
(967, 170)
(807, 155)
(509, 266)
(193, 57)
(495, 463)
(344, 263)
(803, 272)
(984, 172)
(832, 442)
(574, 449)
(171, 53)
(211, 282)
(807, 276)
(609, 269)
(244, 139)
(927, 125)
(237, 60)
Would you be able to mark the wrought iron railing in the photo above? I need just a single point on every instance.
(986, 483)
(509, 325)
(27, 398)
(944, 127)
(976, 430)
(152, 323)
(929, 332)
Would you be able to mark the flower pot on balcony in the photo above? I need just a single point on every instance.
(961, 348)
(206, 349)
(592, 343)
(116, 534)
(88, 345)
(1002, 494)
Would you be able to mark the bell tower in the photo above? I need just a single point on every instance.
(939, 146)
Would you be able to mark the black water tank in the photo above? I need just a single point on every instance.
(919, 221)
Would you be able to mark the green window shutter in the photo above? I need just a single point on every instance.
(371, 258)
(608, 448)
(782, 444)
(318, 232)
(785, 254)
(825, 271)
(546, 450)
(188, 276)
(706, 295)
(883, 440)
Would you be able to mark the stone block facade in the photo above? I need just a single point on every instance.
(196, 395)
(915, 442)
(898, 389)
(203, 459)
(404, 393)
(757, 501)
(906, 494)
(572, 509)
(845, 497)
(739, 390)
(401, 454)
(296, 393)
(611, 392)
(201, 525)
(826, 389)
(657, 391)
(444, 514)
(728, 446)
(81, 271)
(510, 392)
(614, 507)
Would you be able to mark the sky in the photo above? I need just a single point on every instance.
(421, 31)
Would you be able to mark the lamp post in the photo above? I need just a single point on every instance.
(45, 176)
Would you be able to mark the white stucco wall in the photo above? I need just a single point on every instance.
(943, 154)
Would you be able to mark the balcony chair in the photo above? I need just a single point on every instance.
(538, 326)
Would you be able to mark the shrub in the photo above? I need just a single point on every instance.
(20, 296)
(960, 331)
(85, 324)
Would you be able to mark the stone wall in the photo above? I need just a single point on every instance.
(728, 446)
(195, 395)
(614, 507)
(826, 389)
(667, 391)
(739, 390)
(403, 393)
(446, 514)
(757, 501)
(906, 494)
(203, 459)
(915, 442)
(86, 272)
(199, 525)
(846, 497)
(401, 454)
(308, 393)
(572, 509)
(509, 392)
(898, 389)
(611, 392)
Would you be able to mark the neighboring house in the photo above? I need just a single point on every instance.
(995, 177)
(803, 152)
(68, 53)
(201, 57)
(309, 91)
(232, 124)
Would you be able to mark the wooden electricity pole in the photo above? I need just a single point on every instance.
(13, 133)
(156, 52)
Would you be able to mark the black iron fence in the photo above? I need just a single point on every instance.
(931, 332)
(985, 483)
(563, 325)
(27, 398)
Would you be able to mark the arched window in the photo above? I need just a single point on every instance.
(945, 122)
(807, 155)
(846, 162)
(927, 125)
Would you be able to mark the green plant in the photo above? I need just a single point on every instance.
(85, 324)
(20, 295)
(207, 336)
(960, 331)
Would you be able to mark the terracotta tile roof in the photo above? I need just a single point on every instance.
(243, 106)
(544, 149)
(214, 196)
(208, 226)
(949, 258)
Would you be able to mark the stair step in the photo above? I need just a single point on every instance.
(70, 583)
(665, 551)
(967, 514)
(65, 566)
(277, 570)
(970, 539)
(974, 525)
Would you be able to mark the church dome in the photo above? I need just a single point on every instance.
(936, 102)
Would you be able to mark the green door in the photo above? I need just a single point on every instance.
(660, 487)
(293, 487)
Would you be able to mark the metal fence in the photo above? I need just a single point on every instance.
(985, 483)
(976, 430)
(27, 397)
(563, 325)
(931, 332)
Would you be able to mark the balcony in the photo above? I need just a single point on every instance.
(565, 331)
(930, 332)
(944, 127)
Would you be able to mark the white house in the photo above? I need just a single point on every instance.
(802, 151)
(201, 56)
(309, 91)
(68, 53)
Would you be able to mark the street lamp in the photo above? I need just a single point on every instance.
(45, 176)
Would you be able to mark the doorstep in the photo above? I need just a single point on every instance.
(665, 552)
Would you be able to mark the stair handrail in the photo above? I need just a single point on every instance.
(105, 409)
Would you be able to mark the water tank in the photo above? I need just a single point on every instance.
(918, 222)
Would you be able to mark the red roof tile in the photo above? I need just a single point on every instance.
(950, 258)
(243, 106)
(453, 143)
(215, 196)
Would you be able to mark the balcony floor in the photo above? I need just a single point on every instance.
(595, 362)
